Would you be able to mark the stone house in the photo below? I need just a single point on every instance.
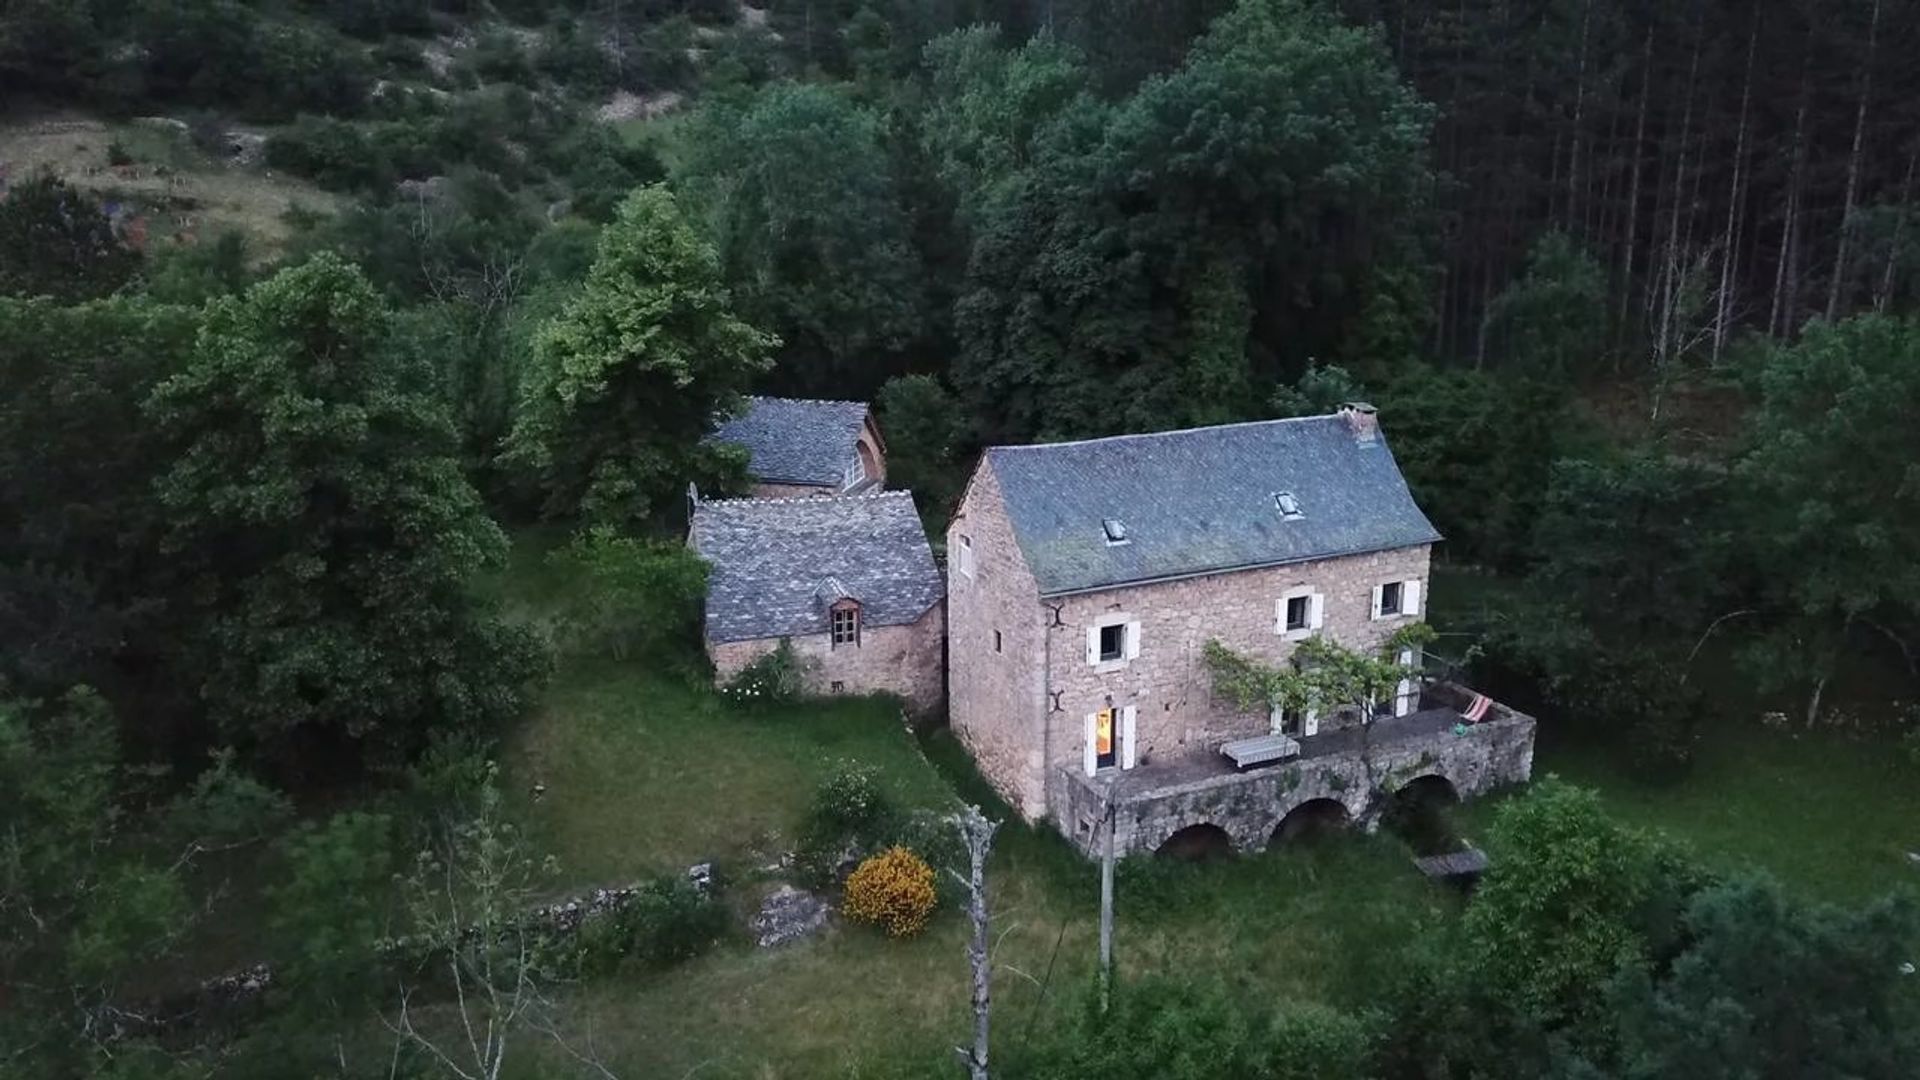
(798, 446)
(848, 579)
(1086, 578)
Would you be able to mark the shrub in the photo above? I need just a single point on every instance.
(776, 678)
(849, 813)
(893, 890)
(668, 921)
(332, 153)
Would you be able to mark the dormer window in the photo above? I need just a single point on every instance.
(846, 624)
(1115, 531)
(1288, 505)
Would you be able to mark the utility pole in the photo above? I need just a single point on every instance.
(1106, 910)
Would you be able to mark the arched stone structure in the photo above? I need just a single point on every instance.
(1251, 805)
(1315, 817)
(1197, 842)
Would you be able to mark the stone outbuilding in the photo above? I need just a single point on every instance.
(798, 446)
(850, 580)
(1086, 579)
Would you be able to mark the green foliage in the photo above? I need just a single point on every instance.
(331, 909)
(631, 596)
(1552, 323)
(1477, 450)
(1768, 987)
(324, 530)
(1559, 914)
(774, 678)
(667, 921)
(1640, 545)
(1167, 1030)
(1836, 502)
(55, 241)
(192, 274)
(224, 807)
(1320, 390)
(79, 907)
(800, 195)
(1322, 675)
(77, 583)
(627, 378)
(849, 814)
(925, 429)
(1133, 260)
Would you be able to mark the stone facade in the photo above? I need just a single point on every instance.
(996, 667)
(1020, 679)
(902, 660)
(1152, 804)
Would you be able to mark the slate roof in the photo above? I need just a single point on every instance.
(796, 440)
(779, 564)
(1203, 501)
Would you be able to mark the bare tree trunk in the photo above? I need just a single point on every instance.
(1632, 216)
(977, 832)
(1579, 113)
(1885, 293)
(1779, 320)
(1670, 270)
(1853, 170)
(1731, 241)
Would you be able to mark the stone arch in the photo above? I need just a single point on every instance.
(1310, 819)
(1417, 813)
(1197, 842)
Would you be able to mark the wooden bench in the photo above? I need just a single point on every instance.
(1262, 750)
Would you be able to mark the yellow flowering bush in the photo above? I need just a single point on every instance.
(893, 889)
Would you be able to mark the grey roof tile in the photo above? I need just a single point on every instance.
(1203, 501)
(777, 562)
(796, 440)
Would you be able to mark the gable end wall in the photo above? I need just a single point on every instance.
(996, 700)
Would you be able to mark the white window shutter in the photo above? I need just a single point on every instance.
(1091, 759)
(1132, 651)
(1093, 644)
(1280, 616)
(1316, 611)
(1410, 597)
(1126, 737)
(1377, 590)
(1276, 719)
(1310, 724)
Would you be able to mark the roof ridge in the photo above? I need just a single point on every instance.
(738, 500)
(810, 401)
(1163, 434)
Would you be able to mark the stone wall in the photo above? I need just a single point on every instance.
(1168, 683)
(996, 650)
(1249, 806)
(902, 660)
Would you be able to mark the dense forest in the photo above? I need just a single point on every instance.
(1633, 285)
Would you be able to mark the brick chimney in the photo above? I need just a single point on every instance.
(1362, 419)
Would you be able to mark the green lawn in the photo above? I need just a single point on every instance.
(1830, 815)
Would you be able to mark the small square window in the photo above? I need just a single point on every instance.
(1113, 642)
(996, 641)
(1390, 598)
(846, 626)
(1299, 612)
